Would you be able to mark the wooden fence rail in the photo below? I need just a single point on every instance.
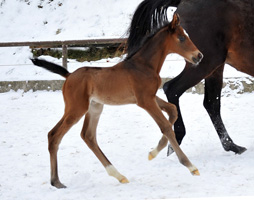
(65, 43)
(240, 85)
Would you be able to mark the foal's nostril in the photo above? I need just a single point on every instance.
(200, 56)
(195, 60)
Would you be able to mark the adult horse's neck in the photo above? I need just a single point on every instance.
(153, 52)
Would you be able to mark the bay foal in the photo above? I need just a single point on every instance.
(133, 81)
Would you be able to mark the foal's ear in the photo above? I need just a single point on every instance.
(175, 21)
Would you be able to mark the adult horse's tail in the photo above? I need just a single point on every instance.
(149, 16)
(57, 69)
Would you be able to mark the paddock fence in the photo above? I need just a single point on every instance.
(34, 85)
(64, 44)
(232, 85)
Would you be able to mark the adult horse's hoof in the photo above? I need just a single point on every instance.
(230, 146)
(170, 150)
(240, 150)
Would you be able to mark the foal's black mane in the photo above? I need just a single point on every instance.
(150, 21)
(142, 41)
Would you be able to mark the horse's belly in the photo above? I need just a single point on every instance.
(114, 100)
(242, 59)
(114, 97)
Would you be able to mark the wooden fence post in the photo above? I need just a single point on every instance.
(64, 55)
(64, 44)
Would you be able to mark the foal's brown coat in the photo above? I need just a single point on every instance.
(135, 80)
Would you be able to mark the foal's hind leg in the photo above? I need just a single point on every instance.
(151, 106)
(54, 138)
(88, 134)
(171, 110)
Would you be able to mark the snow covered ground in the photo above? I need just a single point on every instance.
(126, 133)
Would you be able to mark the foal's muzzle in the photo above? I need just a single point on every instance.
(198, 58)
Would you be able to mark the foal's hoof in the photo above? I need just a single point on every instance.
(124, 180)
(195, 172)
(58, 185)
(152, 154)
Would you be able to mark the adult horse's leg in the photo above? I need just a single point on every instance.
(173, 89)
(151, 106)
(213, 86)
(189, 77)
(88, 134)
(171, 110)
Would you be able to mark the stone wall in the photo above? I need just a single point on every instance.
(230, 85)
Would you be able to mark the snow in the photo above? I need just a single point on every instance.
(25, 21)
(125, 133)
(22, 20)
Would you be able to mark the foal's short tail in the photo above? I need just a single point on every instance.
(51, 67)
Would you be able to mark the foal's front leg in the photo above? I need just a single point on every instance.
(171, 110)
(151, 106)
(88, 134)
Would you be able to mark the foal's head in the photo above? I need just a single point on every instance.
(181, 44)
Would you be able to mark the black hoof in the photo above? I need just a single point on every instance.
(233, 147)
(170, 150)
(240, 150)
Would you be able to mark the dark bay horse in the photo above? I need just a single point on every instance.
(87, 89)
(223, 30)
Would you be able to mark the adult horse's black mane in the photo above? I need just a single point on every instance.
(151, 20)
(222, 30)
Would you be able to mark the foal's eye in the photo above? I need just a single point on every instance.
(182, 38)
